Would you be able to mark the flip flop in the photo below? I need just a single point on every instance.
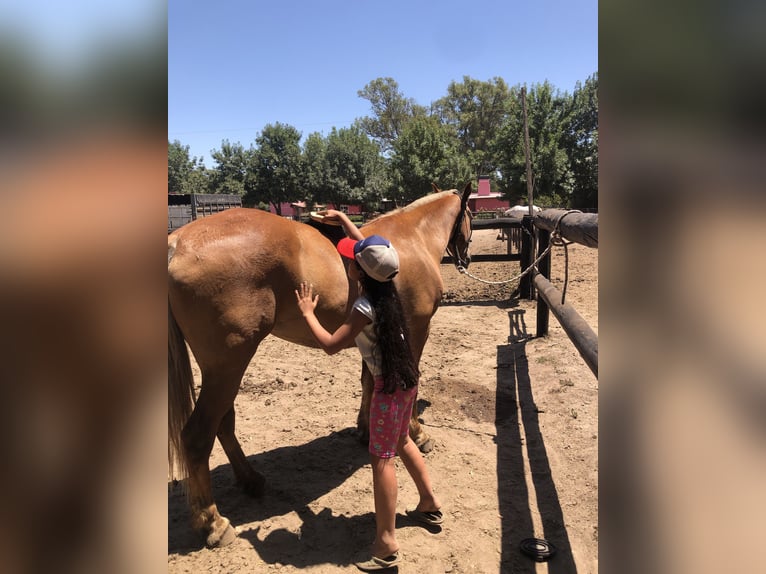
(431, 518)
(375, 563)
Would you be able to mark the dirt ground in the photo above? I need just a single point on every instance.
(515, 423)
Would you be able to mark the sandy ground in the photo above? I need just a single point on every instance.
(515, 422)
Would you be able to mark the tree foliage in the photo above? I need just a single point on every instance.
(231, 168)
(356, 171)
(547, 116)
(316, 178)
(402, 147)
(426, 152)
(581, 140)
(179, 166)
(185, 174)
(475, 110)
(276, 167)
(391, 111)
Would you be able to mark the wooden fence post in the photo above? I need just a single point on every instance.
(526, 287)
(544, 267)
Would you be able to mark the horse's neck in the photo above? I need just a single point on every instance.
(434, 224)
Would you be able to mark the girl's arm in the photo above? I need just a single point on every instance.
(349, 227)
(344, 335)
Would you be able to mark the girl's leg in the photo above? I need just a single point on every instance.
(416, 467)
(385, 490)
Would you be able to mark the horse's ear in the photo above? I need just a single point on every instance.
(466, 193)
(435, 187)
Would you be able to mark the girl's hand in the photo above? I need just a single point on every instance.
(335, 217)
(332, 216)
(307, 301)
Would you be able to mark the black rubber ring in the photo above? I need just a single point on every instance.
(539, 549)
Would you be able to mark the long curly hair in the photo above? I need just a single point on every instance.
(393, 335)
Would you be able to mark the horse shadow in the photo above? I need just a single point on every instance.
(516, 411)
(295, 476)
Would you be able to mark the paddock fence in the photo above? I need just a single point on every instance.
(527, 236)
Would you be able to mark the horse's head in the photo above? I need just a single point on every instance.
(460, 239)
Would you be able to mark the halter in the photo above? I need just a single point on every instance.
(459, 262)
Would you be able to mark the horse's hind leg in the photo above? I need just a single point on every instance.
(251, 481)
(215, 401)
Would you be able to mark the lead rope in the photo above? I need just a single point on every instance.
(555, 239)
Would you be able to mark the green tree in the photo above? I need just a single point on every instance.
(185, 174)
(277, 167)
(231, 170)
(547, 118)
(426, 152)
(476, 110)
(179, 166)
(316, 172)
(391, 111)
(581, 141)
(355, 168)
(199, 180)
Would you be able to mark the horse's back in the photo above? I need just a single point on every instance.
(239, 270)
(244, 245)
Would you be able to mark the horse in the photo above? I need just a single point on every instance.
(231, 282)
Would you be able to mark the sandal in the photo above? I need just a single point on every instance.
(429, 517)
(375, 563)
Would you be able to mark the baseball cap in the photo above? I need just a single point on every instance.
(375, 255)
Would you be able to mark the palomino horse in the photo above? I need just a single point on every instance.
(232, 278)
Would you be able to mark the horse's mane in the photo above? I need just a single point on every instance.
(431, 197)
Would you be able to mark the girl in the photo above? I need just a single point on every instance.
(376, 323)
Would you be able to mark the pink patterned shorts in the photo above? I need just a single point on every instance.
(389, 418)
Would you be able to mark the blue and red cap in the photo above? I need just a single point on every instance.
(375, 255)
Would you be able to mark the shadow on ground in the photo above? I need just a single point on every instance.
(518, 430)
(295, 476)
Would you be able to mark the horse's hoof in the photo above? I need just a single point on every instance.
(216, 540)
(426, 446)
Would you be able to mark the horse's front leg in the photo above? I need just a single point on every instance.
(363, 418)
(419, 436)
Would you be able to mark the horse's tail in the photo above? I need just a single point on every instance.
(181, 397)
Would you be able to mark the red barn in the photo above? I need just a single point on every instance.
(486, 200)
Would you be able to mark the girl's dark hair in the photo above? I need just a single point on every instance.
(393, 334)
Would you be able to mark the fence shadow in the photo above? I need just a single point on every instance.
(516, 411)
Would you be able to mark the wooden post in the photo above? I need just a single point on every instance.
(526, 287)
(530, 187)
(544, 266)
(529, 286)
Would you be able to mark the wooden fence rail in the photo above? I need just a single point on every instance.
(581, 228)
(512, 224)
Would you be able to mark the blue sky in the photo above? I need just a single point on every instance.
(65, 34)
(235, 66)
